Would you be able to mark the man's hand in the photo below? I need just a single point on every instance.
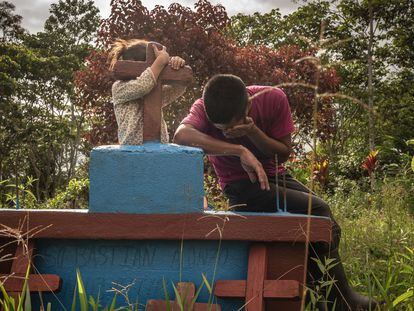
(240, 130)
(254, 169)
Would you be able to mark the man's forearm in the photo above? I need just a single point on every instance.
(269, 146)
(191, 137)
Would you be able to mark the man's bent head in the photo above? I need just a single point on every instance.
(225, 99)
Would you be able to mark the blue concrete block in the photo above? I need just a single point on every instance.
(150, 178)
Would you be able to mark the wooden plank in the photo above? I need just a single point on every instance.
(281, 289)
(78, 224)
(152, 104)
(37, 283)
(7, 250)
(256, 274)
(161, 305)
(126, 70)
(152, 114)
(230, 288)
(285, 262)
(22, 258)
(271, 289)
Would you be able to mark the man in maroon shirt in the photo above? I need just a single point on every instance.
(243, 130)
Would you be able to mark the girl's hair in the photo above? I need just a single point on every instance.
(132, 49)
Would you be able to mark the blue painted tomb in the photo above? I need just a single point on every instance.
(149, 178)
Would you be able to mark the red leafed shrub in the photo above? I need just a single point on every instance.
(197, 36)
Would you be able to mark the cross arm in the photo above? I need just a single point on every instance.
(127, 69)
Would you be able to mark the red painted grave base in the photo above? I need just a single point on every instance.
(276, 259)
(13, 282)
(274, 278)
(187, 292)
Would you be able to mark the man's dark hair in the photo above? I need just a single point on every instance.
(225, 98)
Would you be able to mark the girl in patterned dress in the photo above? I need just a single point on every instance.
(127, 95)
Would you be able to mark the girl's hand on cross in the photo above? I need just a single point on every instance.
(161, 60)
(176, 62)
(161, 55)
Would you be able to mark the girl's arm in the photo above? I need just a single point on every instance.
(161, 60)
(125, 91)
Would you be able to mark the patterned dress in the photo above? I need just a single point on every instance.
(128, 102)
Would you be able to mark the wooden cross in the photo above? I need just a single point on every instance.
(187, 292)
(14, 281)
(257, 287)
(125, 70)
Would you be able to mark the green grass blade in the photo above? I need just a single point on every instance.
(83, 299)
(113, 303)
(6, 298)
(205, 281)
(403, 297)
(178, 298)
(25, 291)
(193, 301)
(27, 300)
(95, 303)
(166, 295)
(382, 289)
(73, 308)
(92, 303)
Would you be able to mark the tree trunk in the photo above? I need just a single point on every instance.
(371, 138)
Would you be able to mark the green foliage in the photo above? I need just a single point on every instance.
(19, 195)
(378, 243)
(319, 293)
(41, 124)
(10, 23)
(74, 196)
(300, 169)
(75, 21)
(214, 193)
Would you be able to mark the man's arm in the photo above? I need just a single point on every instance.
(187, 135)
(270, 146)
(267, 145)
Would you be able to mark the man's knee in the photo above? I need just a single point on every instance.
(321, 208)
(251, 198)
(321, 249)
(336, 234)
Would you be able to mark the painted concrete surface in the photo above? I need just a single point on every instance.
(142, 263)
(150, 178)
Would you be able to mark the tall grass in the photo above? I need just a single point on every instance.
(378, 241)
